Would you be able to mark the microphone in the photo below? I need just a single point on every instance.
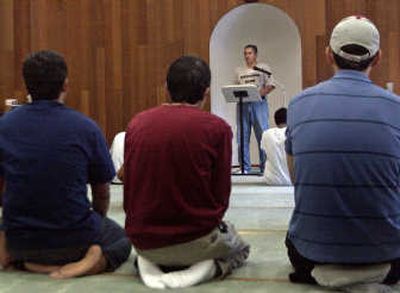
(262, 70)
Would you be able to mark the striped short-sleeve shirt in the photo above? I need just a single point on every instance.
(344, 135)
(247, 75)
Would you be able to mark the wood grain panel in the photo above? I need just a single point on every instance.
(7, 70)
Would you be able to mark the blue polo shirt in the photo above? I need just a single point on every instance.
(344, 134)
(48, 154)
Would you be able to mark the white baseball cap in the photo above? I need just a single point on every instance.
(355, 30)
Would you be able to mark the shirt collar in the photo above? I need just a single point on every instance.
(352, 74)
(47, 103)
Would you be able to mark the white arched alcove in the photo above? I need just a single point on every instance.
(279, 45)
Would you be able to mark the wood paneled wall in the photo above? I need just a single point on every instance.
(118, 50)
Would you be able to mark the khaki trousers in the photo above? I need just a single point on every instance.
(223, 244)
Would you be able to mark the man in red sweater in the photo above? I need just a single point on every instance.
(177, 178)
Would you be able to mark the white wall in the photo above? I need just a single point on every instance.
(279, 45)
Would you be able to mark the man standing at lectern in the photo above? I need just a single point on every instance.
(255, 114)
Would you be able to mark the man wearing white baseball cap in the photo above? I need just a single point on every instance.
(343, 146)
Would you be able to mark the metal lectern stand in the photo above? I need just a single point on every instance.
(241, 94)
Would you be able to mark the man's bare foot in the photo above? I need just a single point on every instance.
(5, 261)
(5, 258)
(40, 269)
(94, 262)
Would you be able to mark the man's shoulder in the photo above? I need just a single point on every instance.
(210, 118)
(149, 114)
(80, 123)
(328, 87)
(264, 65)
(79, 118)
(62, 113)
(270, 131)
(319, 88)
(379, 91)
(193, 114)
(8, 116)
(207, 119)
(267, 134)
(274, 131)
(16, 112)
(240, 70)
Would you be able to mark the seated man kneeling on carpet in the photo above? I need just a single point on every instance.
(117, 156)
(177, 185)
(48, 153)
(273, 143)
(344, 155)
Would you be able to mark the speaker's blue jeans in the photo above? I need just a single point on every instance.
(255, 114)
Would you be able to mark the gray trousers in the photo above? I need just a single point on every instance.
(223, 244)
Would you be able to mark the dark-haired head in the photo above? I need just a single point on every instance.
(253, 47)
(188, 80)
(45, 73)
(355, 50)
(280, 117)
(250, 55)
(354, 44)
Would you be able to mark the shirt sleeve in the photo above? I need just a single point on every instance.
(1, 157)
(117, 150)
(268, 80)
(101, 168)
(1, 165)
(288, 141)
(222, 172)
(237, 76)
(264, 141)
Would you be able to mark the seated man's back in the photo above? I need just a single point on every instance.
(47, 150)
(346, 153)
(273, 143)
(344, 150)
(177, 174)
(48, 155)
(117, 154)
(177, 178)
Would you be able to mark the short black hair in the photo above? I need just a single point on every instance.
(187, 80)
(44, 74)
(253, 47)
(280, 116)
(353, 65)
